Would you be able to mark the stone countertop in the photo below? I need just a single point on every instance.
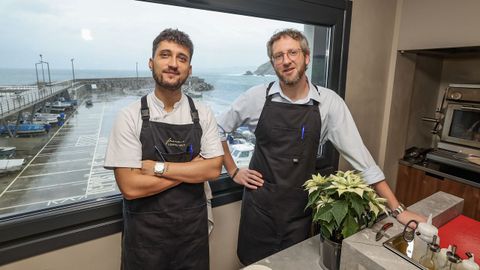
(361, 251)
(304, 255)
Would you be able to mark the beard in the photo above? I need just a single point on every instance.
(295, 79)
(169, 86)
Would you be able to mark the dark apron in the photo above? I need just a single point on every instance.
(168, 230)
(273, 217)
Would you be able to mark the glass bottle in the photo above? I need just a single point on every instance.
(452, 259)
(429, 259)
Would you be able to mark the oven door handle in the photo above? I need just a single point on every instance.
(476, 109)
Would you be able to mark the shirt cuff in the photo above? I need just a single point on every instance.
(372, 175)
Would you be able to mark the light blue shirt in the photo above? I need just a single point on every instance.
(338, 126)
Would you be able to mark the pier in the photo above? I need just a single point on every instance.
(66, 165)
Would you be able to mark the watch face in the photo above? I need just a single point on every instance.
(159, 167)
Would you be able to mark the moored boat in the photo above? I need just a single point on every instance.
(7, 152)
(10, 165)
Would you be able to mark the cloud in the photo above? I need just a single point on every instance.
(126, 28)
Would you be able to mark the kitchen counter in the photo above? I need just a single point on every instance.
(361, 251)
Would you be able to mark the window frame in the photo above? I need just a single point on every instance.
(26, 235)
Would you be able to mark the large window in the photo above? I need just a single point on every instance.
(62, 158)
(68, 67)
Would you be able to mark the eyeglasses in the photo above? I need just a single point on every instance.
(292, 55)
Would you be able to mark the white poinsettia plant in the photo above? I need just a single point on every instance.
(342, 204)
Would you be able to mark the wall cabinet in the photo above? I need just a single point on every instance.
(414, 184)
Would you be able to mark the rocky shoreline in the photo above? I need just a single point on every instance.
(262, 70)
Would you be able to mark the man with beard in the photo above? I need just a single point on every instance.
(162, 149)
(291, 117)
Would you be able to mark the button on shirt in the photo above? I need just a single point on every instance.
(338, 126)
(124, 147)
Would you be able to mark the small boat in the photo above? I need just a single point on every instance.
(7, 152)
(10, 165)
(25, 128)
(58, 105)
(51, 118)
(242, 153)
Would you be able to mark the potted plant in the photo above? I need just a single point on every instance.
(342, 204)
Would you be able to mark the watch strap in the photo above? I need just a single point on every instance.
(397, 211)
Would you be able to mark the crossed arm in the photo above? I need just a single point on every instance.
(137, 183)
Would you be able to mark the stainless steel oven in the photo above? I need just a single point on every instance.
(461, 125)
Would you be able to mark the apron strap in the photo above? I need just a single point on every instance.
(268, 89)
(193, 110)
(145, 112)
(270, 86)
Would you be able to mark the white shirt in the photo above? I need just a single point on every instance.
(124, 147)
(338, 126)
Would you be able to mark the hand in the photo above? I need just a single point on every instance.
(407, 215)
(249, 178)
(148, 167)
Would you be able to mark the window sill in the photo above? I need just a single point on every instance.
(32, 234)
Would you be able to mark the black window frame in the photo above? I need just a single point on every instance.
(26, 235)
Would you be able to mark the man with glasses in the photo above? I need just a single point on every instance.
(291, 117)
(162, 149)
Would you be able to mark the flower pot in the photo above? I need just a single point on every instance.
(329, 254)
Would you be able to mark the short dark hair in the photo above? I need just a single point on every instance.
(173, 35)
(290, 32)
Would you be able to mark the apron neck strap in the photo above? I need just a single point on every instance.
(193, 110)
(270, 97)
(268, 89)
(145, 112)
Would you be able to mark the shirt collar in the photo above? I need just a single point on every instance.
(160, 103)
(312, 93)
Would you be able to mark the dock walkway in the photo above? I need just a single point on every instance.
(25, 96)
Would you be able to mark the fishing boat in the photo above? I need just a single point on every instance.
(242, 153)
(10, 165)
(25, 128)
(7, 152)
(51, 118)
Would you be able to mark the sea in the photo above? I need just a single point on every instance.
(226, 86)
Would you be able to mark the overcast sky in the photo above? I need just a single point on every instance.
(115, 34)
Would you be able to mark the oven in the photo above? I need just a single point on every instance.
(461, 124)
(458, 149)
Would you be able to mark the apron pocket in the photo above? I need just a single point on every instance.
(256, 222)
(286, 140)
(159, 229)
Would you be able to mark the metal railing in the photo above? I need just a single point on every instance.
(14, 103)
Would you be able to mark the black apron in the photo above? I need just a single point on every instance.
(168, 230)
(273, 216)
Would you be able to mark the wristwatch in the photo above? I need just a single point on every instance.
(397, 211)
(159, 168)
